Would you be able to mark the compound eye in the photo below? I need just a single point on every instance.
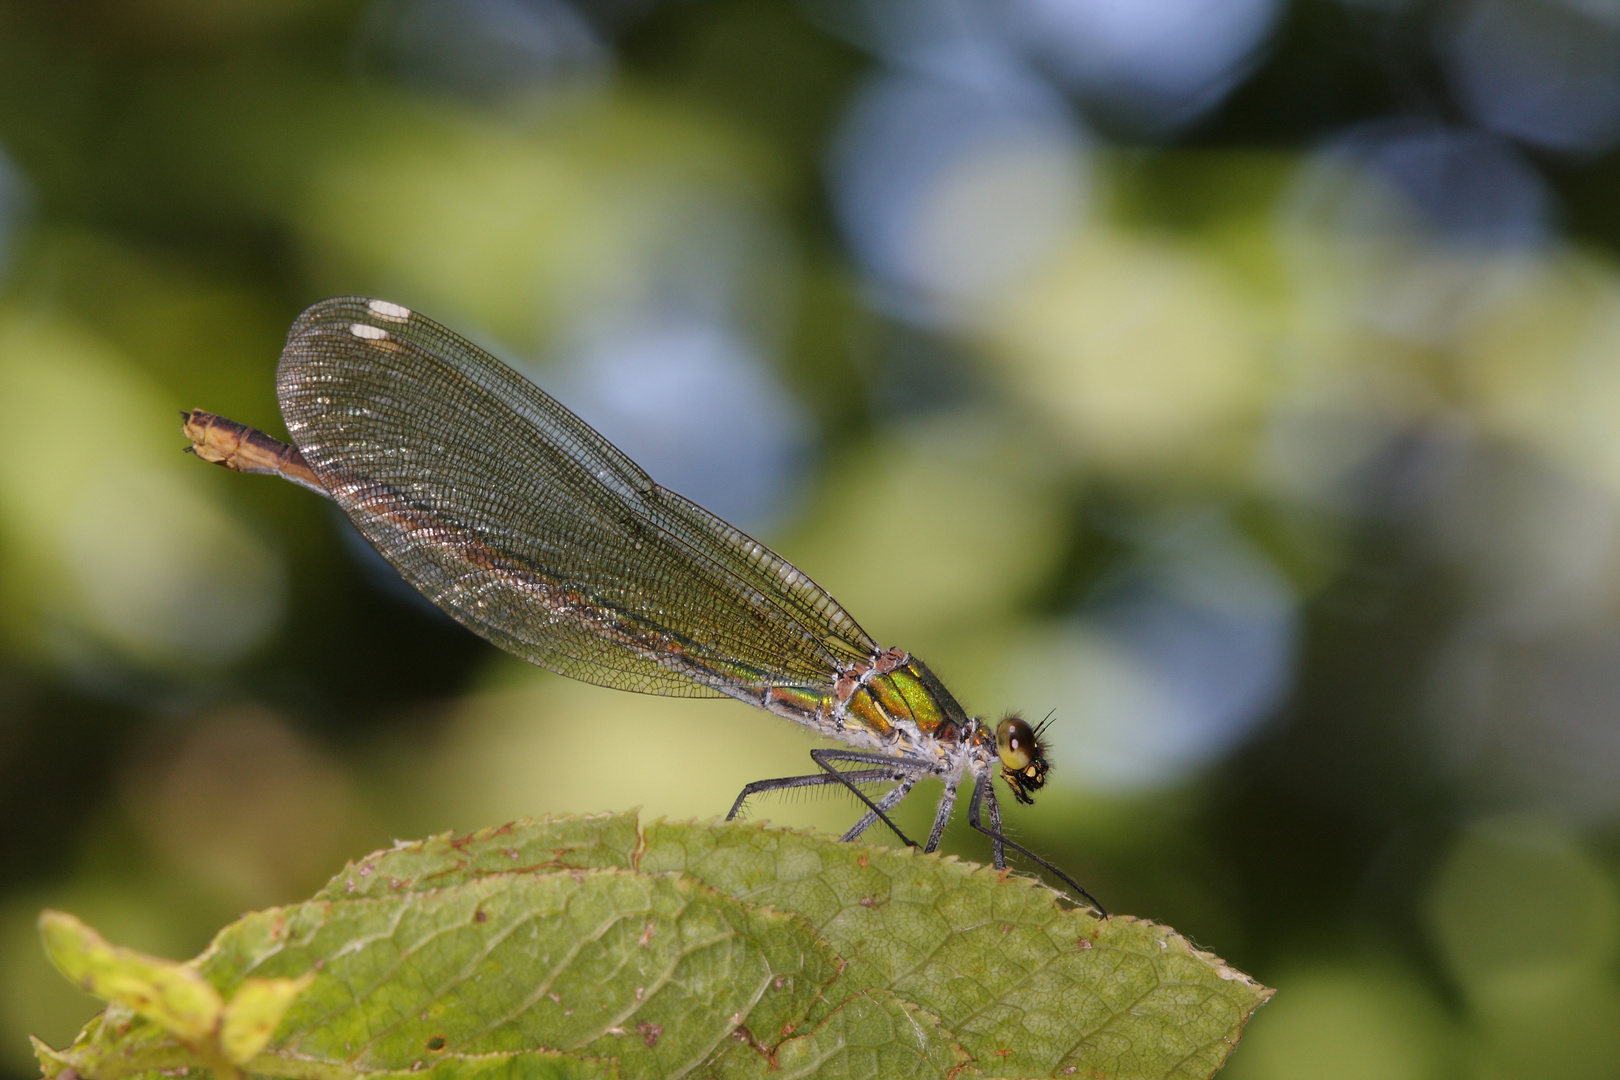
(1015, 743)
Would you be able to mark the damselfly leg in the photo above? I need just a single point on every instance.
(901, 769)
(887, 803)
(859, 776)
(786, 783)
(942, 815)
(982, 791)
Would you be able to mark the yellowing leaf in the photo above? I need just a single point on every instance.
(172, 995)
(253, 1015)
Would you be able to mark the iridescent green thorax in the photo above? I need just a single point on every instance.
(908, 691)
(893, 692)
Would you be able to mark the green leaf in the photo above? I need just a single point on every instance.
(174, 996)
(596, 947)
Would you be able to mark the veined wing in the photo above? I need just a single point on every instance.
(517, 518)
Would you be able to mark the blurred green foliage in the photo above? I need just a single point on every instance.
(1290, 487)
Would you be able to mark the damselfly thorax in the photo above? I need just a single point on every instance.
(531, 529)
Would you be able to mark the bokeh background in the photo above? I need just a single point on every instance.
(1238, 380)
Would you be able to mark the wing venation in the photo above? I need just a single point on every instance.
(518, 519)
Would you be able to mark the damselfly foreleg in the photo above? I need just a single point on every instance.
(998, 854)
(981, 789)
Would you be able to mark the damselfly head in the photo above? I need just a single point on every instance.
(1023, 763)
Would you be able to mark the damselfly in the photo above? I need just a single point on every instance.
(532, 530)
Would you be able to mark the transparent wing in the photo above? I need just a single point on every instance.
(513, 515)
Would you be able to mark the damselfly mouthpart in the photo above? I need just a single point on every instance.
(532, 530)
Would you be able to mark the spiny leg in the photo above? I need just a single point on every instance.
(942, 815)
(824, 758)
(981, 788)
(781, 783)
(888, 802)
(996, 850)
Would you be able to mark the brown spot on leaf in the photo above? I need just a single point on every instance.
(743, 1035)
(435, 1044)
(650, 1033)
(647, 934)
(450, 871)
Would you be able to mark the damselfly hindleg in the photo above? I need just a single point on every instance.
(783, 783)
(906, 770)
